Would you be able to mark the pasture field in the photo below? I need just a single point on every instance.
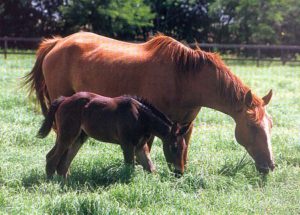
(221, 177)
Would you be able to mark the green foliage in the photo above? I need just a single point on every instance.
(290, 27)
(29, 18)
(122, 18)
(255, 21)
(218, 21)
(185, 20)
(220, 179)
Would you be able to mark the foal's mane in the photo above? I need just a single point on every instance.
(188, 60)
(153, 110)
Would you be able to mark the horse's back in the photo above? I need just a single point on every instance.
(90, 44)
(90, 62)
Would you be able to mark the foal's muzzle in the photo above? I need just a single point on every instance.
(178, 173)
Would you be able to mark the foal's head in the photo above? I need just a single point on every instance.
(174, 147)
(253, 131)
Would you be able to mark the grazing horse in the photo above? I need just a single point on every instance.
(176, 79)
(126, 120)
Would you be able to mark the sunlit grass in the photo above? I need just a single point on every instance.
(221, 177)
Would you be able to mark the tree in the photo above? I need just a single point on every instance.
(184, 19)
(19, 17)
(248, 21)
(29, 18)
(121, 18)
(289, 30)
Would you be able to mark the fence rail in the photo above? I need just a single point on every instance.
(239, 52)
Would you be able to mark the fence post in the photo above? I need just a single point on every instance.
(258, 57)
(5, 47)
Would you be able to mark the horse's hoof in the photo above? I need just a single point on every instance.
(151, 169)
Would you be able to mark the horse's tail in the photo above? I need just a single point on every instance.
(49, 118)
(35, 79)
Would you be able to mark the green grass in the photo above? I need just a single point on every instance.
(221, 178)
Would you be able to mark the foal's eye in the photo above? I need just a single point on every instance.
(173, 149)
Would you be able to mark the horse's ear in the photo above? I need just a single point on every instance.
(248, 99)
(267, 97)
(184, 129)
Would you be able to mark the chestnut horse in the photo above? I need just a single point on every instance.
(129, 121)
(176, 79)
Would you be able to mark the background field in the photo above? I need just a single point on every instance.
(221, 178)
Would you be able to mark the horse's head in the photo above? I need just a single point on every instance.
(253, 131)
(174, 147)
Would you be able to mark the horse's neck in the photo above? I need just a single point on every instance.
(211, 98)
(218, 103)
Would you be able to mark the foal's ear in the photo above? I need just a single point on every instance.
(248, 99)
(174, 128)
(267, 97)
(184, 129)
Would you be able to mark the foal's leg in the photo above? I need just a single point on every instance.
(65, 137)
(65, 162)
(149, 143)
(51, 152)
(143, 157)
(54, 157)
(128, 152)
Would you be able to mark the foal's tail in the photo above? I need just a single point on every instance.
(49, 118)
(35, 79)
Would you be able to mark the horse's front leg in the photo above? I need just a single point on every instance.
(187, 138)
(143, 156)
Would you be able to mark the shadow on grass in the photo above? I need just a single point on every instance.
(231, 169)
(101, 176)
(245, 167)
(92, 177)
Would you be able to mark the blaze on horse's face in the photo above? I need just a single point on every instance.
(174, 147)
(255, 135)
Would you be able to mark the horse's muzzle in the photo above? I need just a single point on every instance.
(266, 167)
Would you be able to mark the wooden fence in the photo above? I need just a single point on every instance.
(239, 52)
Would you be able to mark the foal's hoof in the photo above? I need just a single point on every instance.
(62, 171)
(49, 171)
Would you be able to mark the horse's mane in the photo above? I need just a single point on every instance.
(154, 111)
(229, 86)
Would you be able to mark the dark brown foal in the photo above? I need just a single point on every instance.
(125, 120)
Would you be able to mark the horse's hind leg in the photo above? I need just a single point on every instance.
(65, 162)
